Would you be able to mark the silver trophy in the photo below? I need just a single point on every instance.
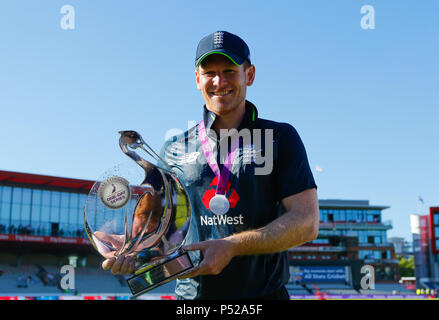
(141, 209)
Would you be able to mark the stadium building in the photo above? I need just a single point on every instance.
(425, 232)
(402, 247)
(41, 229)
(351, 235)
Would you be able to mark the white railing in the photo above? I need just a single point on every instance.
(317, 249)
(387, 244)
(356, 225)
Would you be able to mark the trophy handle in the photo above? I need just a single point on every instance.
(130, 139)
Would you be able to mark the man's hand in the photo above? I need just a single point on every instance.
(216, 256)
(124, 264)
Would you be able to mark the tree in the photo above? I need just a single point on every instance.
(406, 266)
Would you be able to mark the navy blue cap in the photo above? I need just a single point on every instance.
(225, 43)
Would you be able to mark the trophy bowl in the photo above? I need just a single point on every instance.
(140, 209)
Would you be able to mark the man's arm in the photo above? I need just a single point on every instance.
(300, 224)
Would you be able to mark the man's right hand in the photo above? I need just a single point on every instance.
(123, 264)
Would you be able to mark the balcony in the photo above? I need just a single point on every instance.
(360, 225)
(320, 248)
(376, 245)
(381, 261)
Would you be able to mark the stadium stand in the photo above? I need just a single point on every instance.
(340, 289)
(25, 281)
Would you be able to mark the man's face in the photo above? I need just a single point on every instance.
(223, 84)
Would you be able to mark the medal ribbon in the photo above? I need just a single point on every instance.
(224, 174)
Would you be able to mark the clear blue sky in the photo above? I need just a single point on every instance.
(365, 102)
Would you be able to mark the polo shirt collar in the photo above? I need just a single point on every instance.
(250, 116)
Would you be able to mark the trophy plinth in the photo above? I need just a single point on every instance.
(142, 210)
(154, 275)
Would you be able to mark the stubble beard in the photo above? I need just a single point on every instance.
(224, 110)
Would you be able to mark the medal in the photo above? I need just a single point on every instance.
(219, 204)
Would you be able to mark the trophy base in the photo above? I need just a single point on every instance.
(155, 275)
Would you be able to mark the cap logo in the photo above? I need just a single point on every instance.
(218, 39)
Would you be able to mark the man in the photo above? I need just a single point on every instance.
(243, 220)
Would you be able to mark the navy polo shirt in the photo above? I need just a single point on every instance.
(269, 166)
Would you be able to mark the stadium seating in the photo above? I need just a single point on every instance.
(87, 281)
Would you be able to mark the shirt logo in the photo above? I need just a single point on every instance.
(221, 220)
(188, 158)
(250, 153)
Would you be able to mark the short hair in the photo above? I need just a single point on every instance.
(246, 64)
